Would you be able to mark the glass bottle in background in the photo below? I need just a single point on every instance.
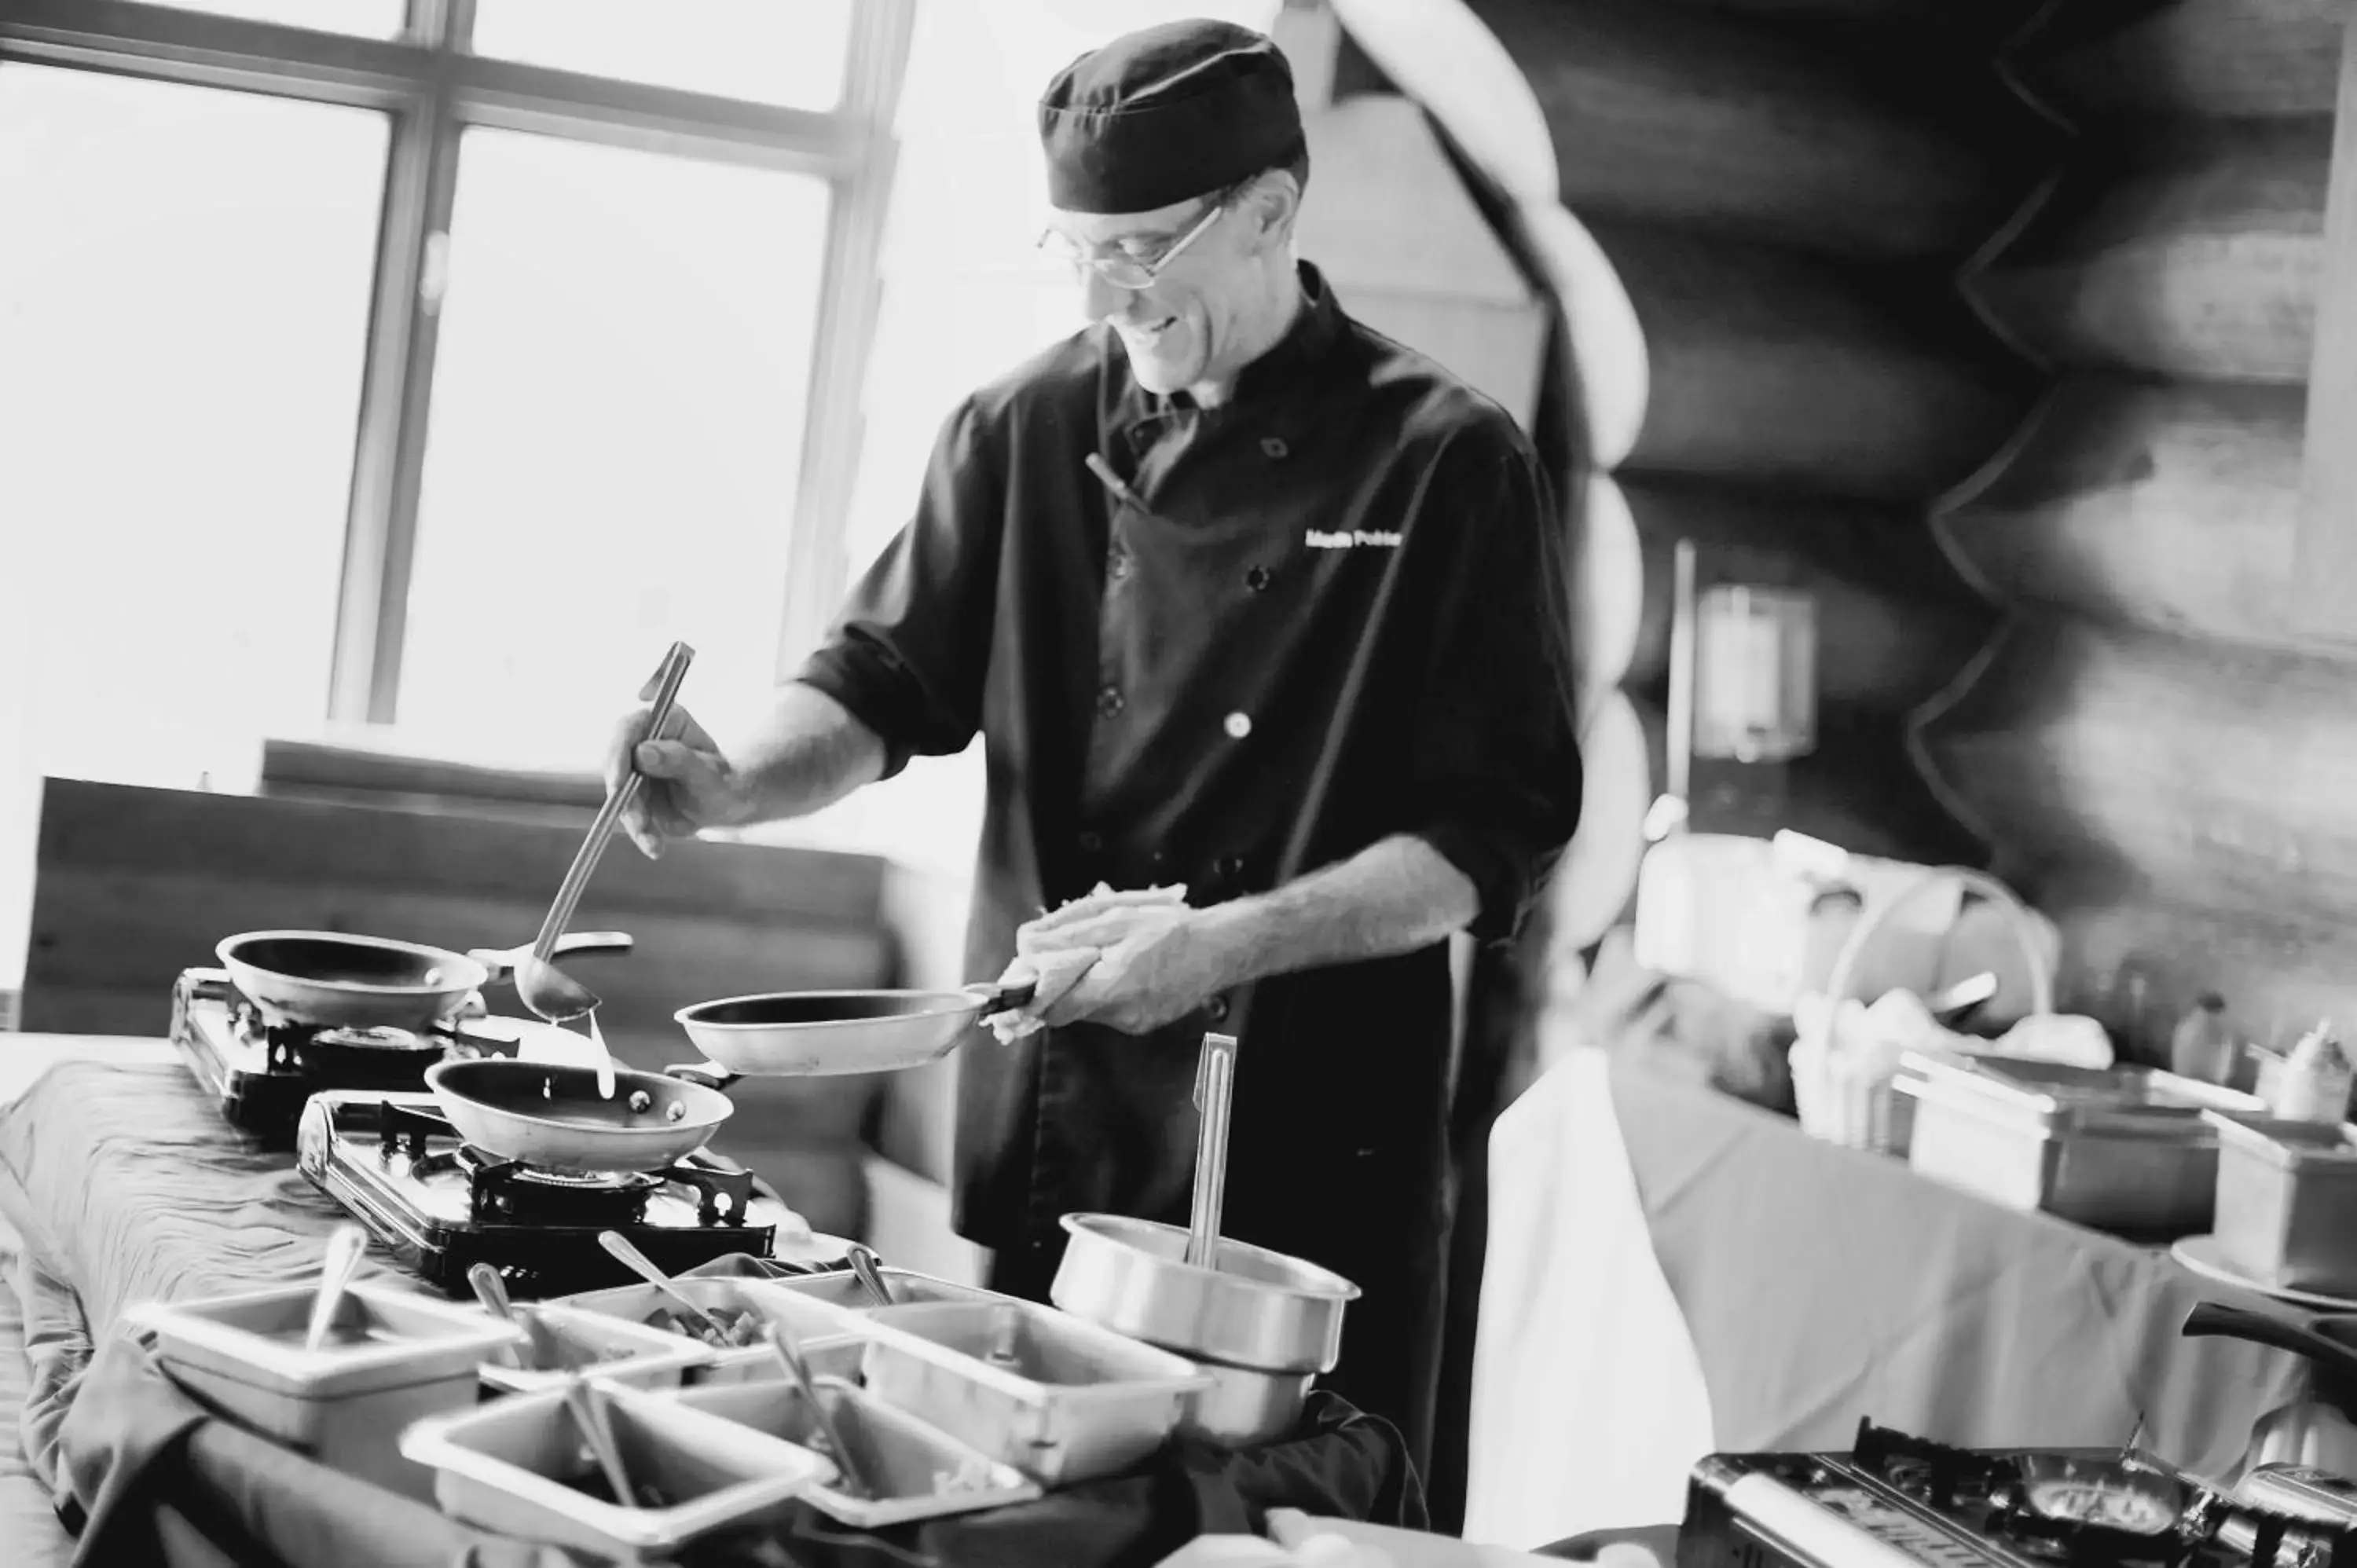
(2203, 1045)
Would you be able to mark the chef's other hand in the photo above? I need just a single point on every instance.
(689, 785)
(1050, 975)
(1155, 963)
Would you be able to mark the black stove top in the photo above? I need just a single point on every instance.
(262, 1070)
(395, 1163)
(1896, 1500)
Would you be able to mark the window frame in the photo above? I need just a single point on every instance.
(433, 87)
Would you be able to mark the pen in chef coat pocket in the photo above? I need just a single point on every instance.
(1113, 481)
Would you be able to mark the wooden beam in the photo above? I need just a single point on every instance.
(2206, 59)
(2191, 252)
(1786, 372)
(2169, 505)
(2325, 584)
(1678, 115)
(2145, 767)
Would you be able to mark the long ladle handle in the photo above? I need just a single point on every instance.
(639, 1263)
(790, 1355)
(590, 1420)
(560, 912)
(344, 1250)
(1214, 1084)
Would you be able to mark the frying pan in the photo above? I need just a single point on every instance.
(330, 978)
(552, 1116)
(817, 1033)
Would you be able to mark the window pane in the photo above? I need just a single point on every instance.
(772, 51)
(617, 419)
(184, 294)
(368, 18)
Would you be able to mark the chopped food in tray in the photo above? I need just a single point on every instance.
(2101, 1503)
(742, 1325)
(592, 1483)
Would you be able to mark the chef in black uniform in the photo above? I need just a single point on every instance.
(1242, 596)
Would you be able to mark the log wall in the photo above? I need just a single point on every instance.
(1749, 217)
(2156, 753)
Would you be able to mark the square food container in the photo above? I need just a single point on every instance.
(1057, 1398)
(520, 1467)
(826, 1336)
(2287, 1203)
(568, 1342)
(394, 1357)
(918, 1471)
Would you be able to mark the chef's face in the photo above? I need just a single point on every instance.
(1203, 264)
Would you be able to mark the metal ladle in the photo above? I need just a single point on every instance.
(614, 1242)
(871, 1278)
(1215, 1080)
(493, 1292)
(540, 985)
(854, 1479)
(344, 1249)
(590, 1420)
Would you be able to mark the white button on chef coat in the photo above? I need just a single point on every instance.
(1239, 725)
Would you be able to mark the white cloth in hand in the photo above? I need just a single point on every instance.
(1051, 974)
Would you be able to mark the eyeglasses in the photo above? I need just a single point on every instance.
(1133, 273)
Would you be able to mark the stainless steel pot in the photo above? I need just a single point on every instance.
(334, 979)
(814, 1033)
(553, 1116)
(1259, 1310)
(1243, 1407)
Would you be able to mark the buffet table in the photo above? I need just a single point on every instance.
(120, 1183)
(1672, 1273)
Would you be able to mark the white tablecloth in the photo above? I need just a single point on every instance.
(1589, 1407)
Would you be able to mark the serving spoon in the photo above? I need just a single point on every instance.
(639, 1263)
(493, 1292)
(854, 1479)
(344, 1249)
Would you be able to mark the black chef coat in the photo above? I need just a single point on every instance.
(1319, 614)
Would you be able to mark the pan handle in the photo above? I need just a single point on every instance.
(708, 1074)
(1003, 998)
(2211, 1317)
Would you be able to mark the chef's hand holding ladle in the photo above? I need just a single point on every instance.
(540, 985)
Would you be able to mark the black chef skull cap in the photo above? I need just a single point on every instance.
(1164, 113)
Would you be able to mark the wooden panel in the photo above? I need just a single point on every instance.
(2150, 769)
(360, 847)
(2168, 505)
(2186, 57)
(110, 930)
(1717, 122)
(1782, 372)
(2194, 253)
(2326, 600)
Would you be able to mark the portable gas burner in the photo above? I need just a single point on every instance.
(262, 1070)
(1898, 1501)
(442, 1206)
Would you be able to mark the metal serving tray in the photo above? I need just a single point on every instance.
(2287, 1203)
(825, 1335)
(1070, 1401)
(919, 1471)
(512, 1466)
(2123, 1149)
(566, 1342)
